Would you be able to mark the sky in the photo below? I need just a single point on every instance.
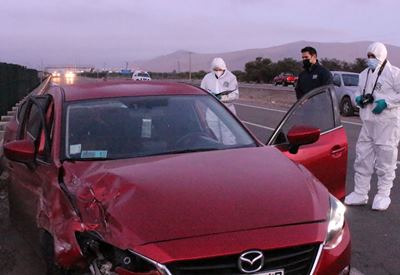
(109, 33)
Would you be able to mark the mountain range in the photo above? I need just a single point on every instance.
(236, 60)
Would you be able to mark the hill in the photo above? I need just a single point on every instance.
(236, 60)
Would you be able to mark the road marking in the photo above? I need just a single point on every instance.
(354, 271)
(352, 123)
(258, 125)
(282, 111)
(262, 108)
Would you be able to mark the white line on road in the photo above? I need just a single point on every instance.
(258, 125)
(352, 123)
(354, 271)
(282, 111)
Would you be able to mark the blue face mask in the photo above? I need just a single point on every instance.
(372, 63)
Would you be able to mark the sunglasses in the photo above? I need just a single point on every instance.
(370, 55)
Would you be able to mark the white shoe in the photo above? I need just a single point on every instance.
(381, 202)
(356, 199)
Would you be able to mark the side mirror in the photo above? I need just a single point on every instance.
(302, 135)
(20, 151)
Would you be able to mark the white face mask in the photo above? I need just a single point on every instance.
(219, 73)
(372, 63)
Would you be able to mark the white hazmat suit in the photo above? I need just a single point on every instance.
(380, 133)
(226, 82)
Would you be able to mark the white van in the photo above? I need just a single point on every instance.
(141, 75)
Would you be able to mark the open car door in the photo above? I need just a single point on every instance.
(327, 157)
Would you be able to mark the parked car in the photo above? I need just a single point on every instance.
(141, 75)
(110, 177)
(346, 85)
(285, 79)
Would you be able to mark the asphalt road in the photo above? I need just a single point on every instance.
(375, 235)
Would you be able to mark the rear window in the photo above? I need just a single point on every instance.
(350, 79)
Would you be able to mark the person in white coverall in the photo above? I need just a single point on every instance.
(221, 80)
(379, 102)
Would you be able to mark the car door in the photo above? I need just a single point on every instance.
(26, 180)
(327, 157)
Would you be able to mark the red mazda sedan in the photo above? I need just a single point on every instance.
(160, 178)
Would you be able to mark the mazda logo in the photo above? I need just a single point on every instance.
(251, 261)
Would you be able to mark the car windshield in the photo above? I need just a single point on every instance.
(150, 125)
(350, 79)
(143, 75)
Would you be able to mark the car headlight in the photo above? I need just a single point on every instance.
(335, 223)
(104, 258)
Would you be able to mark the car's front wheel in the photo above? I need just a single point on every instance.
(47, 247)
(346, 107)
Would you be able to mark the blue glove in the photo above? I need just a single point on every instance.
(380, 106)
(358, 100)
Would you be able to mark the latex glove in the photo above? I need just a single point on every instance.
(358, 100)
(380, 106)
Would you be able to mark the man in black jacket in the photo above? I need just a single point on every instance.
(314, 75)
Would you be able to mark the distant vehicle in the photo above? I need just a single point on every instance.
(346, 85)
(285, 79)
(55, 74)
(69, 74)
(141, 75)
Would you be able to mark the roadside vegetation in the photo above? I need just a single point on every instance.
(260, 70)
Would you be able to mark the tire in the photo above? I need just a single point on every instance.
(346, 107)
(276, 83)
(284, 84)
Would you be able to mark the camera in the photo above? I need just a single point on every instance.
(366, 99)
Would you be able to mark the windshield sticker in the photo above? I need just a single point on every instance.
(146, 128)
(94, 154)
(75, 149)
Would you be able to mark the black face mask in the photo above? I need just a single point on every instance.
(306, 63)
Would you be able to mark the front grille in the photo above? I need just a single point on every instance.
(294, 260)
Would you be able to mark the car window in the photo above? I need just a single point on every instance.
(143, 75)
(21, 111)
(33, 124)
(316, 111)
(33, 127)
(152, 125)
(336, 80)
(350, 80)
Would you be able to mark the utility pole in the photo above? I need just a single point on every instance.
(190, 66)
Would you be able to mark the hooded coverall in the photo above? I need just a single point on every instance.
(226, 82)
(380, 133)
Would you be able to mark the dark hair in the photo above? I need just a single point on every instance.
(309, 49)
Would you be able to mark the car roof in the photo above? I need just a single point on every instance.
(124, 88)
(344, 72)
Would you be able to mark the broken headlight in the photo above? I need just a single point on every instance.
(104, 258)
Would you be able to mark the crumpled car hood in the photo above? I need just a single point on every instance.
(150, 199)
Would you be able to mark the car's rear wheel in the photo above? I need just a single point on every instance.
(346, 107)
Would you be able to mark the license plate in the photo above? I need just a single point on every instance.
(272, 272)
